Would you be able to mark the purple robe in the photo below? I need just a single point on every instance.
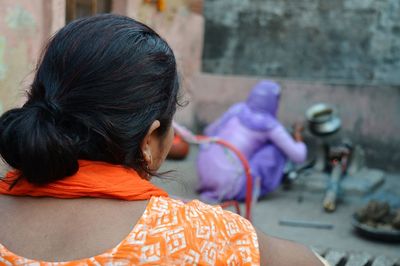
(252, 127)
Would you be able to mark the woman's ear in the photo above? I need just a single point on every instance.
(149, 142)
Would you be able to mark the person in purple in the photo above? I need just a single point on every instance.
(253, 128)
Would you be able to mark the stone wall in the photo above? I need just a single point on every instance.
(335, 41)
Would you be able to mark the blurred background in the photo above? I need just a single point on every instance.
(344, 52)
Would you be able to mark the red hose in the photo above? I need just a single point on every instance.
(246, 166)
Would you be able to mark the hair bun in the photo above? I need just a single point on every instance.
(46, 105)
(33, 143)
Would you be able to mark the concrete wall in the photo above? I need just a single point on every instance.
(338, 41)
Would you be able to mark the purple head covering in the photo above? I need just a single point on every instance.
(260, 110)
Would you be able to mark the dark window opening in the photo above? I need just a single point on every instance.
(86, 8)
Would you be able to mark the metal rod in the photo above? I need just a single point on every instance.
(308, 224)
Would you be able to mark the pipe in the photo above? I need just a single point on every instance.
(188, 136)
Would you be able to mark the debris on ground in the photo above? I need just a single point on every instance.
(379, 215)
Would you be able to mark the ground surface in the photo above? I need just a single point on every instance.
(297, 204)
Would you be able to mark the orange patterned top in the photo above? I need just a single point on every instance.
(171, 232)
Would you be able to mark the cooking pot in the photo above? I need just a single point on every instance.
(323, 119)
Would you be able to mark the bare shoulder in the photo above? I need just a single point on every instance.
(86, 226)
(279, 252)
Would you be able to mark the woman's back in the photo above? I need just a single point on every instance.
(52, 229)
(168, 233)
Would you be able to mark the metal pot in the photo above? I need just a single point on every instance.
(323, 119)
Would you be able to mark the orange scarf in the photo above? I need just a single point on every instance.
(93, 179)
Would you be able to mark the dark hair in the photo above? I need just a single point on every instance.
(99, 85)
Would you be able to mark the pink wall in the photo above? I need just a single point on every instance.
(21, 37)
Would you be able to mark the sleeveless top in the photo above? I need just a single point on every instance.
(171, 232)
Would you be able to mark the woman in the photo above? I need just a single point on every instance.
(95, 128)
(253, 128)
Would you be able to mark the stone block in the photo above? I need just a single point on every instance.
(363, 181)
(358, 5)
(358, 259)
(335, 257)
(383, 261)
(360, 184)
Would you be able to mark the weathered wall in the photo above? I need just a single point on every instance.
(21, 35)
(24, 28)
(339, 41)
